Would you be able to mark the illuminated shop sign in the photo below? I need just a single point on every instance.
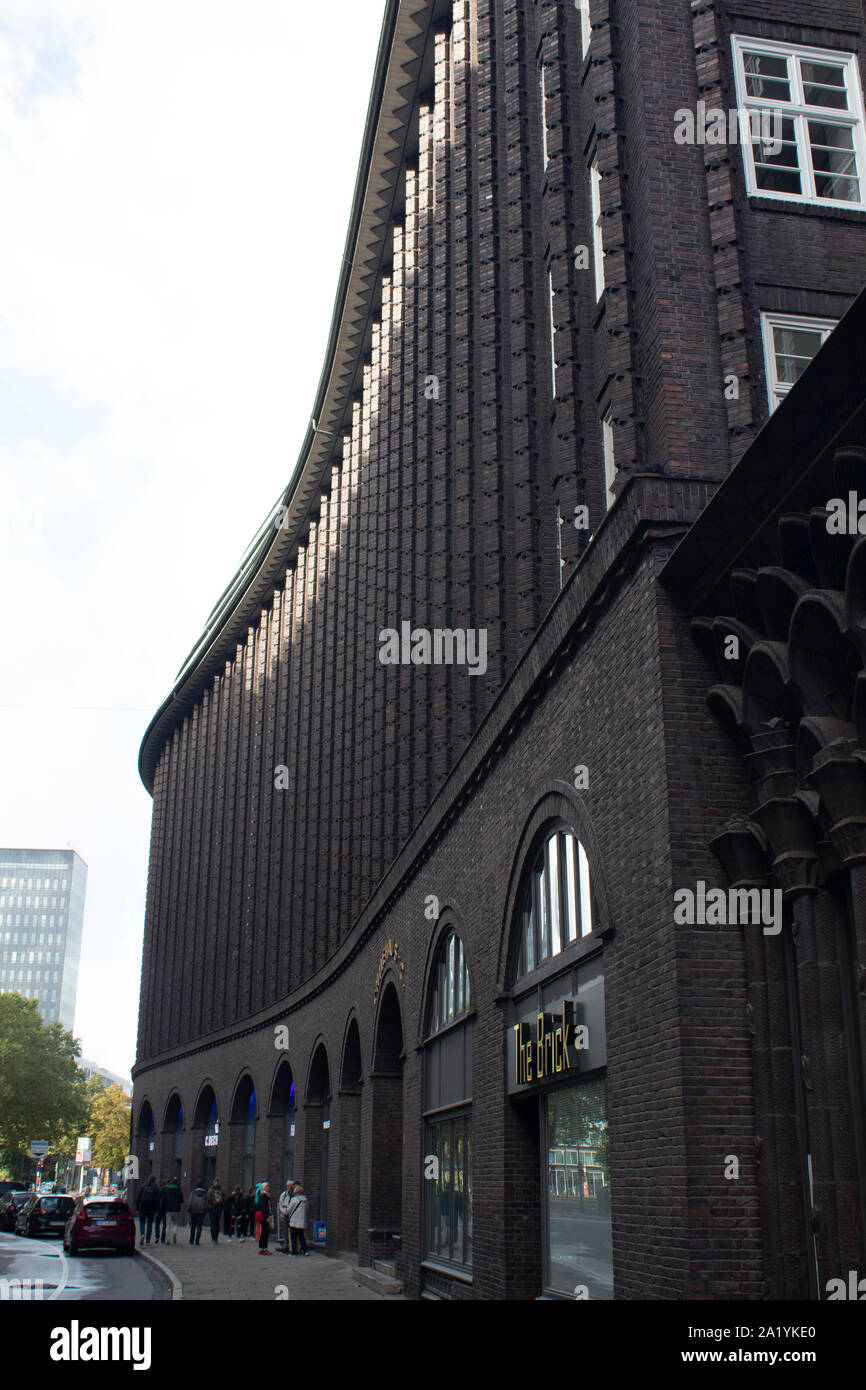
(549, 1048)
(561, 1040)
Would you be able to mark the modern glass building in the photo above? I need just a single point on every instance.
(41, 920)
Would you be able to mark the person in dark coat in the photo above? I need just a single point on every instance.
(147, 1206)
(197, 1213)
(239, 1212)
(228, 1214)
(215, 1199)
(170, 1205)
(265, 1209)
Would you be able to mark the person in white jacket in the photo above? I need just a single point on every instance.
(283, 1208)
(297, 1214)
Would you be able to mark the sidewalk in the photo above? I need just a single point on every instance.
(232, 1270)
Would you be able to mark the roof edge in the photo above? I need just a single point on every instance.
(405, 31)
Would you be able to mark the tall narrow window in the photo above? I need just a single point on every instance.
(609, 459)
(447, 1189)
(585, 28)
(552, 294)
(597, 236)
(542, 82)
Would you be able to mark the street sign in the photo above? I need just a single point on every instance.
(84, 1150)
(38, 1148)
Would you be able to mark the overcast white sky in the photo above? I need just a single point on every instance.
(175, 185)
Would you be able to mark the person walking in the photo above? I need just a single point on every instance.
(229, 1214)
(239, 1208)
(147, 1206)
(159, 1215)
(197, 1212)
(215, 1200)
(172, 1201)
(298, 1220)
(251, 1212)
(265, 1209)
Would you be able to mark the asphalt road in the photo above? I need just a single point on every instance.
(93, 1275)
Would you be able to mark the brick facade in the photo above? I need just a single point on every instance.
(445, 497)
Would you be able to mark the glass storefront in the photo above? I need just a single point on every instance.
(578, 1253)
(449, 1191)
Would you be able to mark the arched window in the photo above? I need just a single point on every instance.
(557, 1061)
(555, 909)
(449, 997)
(448, 1111)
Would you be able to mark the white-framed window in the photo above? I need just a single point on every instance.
(542, 83)
(597, 236)
(552, 293)
(790, 343)
(816, 151)
(608, 455)
(585, 29)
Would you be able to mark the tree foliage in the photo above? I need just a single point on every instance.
(43, 1093)
(109, 1123)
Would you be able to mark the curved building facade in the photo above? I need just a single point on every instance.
(542, 652)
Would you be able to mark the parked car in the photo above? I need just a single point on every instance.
(100, 1221)
(7, 1186)
(10, 1205)
(44, 1215)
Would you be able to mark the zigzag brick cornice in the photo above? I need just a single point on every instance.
(399, 72)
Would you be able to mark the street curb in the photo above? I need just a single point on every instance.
(176, 1285)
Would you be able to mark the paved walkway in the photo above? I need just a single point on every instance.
(233, 1269)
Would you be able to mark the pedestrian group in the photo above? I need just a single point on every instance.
(242, 1215)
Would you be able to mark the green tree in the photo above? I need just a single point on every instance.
(43, 1093)
(109, 1123)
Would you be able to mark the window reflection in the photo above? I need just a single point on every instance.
(578, 1191)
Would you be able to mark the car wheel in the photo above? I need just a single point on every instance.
(73, 1249)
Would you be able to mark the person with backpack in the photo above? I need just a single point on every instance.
(215, 1199)
(197, 1211)
(171, 1203)
(297, 1213)
(264, 1211)
(147, 1206)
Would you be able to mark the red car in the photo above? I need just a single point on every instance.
(100, 1221)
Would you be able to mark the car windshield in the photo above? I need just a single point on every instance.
(55, 1203)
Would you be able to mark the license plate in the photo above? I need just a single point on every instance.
(103, 1221)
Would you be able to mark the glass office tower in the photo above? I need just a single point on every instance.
(41, 920)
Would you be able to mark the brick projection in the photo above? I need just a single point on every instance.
(446, 498)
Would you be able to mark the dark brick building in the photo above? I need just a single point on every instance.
(411, 929)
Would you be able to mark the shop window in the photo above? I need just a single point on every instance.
(447, 1194)
(578, 1232)
(556, 1062)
